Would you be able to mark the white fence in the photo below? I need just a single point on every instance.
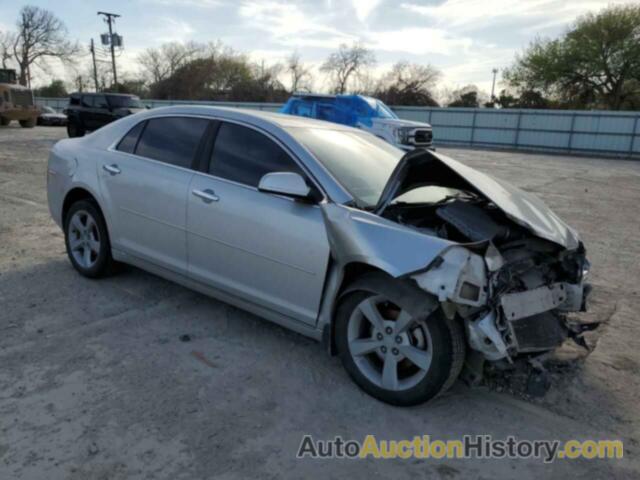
(601, 133)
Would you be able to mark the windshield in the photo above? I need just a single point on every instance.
(48, 110)
(7, 76)
(384, 111)
(125, 102)
(361, 162)
(379, 108)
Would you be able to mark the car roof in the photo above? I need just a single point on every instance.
(323, 96)
(244, 114)
(108, 94)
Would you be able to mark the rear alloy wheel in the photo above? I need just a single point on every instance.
(87, 240)
(393, 349)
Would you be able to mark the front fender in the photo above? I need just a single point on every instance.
(362, 237)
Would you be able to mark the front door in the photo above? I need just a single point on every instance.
(265, 248)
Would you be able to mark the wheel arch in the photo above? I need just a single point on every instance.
(76, 194)
(343, 280)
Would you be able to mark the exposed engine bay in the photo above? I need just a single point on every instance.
(511, 287)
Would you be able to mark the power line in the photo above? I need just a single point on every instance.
(110, 18)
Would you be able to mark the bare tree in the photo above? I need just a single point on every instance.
(345, 64)
(409, 84)
(40, 36)
(299, 73)
(160, 63)
(7, 40)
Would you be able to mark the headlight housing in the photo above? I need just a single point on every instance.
(401, 135)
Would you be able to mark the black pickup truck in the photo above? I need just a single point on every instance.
(90, 111)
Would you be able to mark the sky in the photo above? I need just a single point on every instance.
(464, 39)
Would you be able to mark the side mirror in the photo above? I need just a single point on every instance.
(284, 183)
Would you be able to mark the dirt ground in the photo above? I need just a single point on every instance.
(95, 382)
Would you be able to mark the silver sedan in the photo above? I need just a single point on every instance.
(403, 264)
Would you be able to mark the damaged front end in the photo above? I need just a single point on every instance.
(517, 269)
(513, 299)
(494, 256)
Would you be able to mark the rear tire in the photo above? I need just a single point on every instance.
(4, 121)
(30, 123)
(73, 130)
(87, 240)
(424, 349)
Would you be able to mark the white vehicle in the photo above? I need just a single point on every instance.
(365, 113)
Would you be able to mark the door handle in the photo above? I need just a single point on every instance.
(207, 195)
(112, 169)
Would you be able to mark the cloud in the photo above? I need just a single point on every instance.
(475, 14)
(289, 25)
(419, 41)
(169, 29)
(364, 7)
(186, 3)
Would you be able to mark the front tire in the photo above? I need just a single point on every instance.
(396, 343)
(73, 130)
(4, 121)
(87, 240)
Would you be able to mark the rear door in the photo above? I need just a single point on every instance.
(268, 249)
(145, 185)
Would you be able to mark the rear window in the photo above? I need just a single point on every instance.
(172, 140)
(125, 102)
(100, 101)
(129, 141)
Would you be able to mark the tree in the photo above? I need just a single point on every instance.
(56, 89)
(299, 74)
(409, 84)
(160, 63)
(40, 36)
(347, 63)
(466, 97)
(595, 64)
(7, 40)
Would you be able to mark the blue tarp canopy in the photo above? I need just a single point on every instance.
(345, 109)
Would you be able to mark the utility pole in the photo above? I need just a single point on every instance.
(95, 70)
(109, 18)
(493, 85)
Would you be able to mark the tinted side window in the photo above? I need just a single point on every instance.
(100, 102)
(87, 101)
(244, 155)
(128, 142)
(172, 140)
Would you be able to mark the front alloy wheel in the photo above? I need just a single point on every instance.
(390, 347)
(395, 342)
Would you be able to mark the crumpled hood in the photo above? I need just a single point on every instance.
(423, 167)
